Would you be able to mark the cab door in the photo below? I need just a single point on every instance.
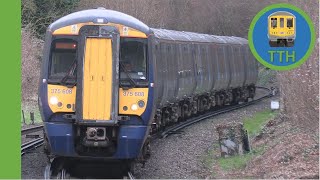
(98, 75)
(97, 79)
(282, 25)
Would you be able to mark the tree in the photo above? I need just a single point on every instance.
(39, 14)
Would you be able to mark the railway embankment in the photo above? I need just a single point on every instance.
(183, 155)
(279, 150)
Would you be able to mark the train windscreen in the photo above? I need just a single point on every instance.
(133, 59)
(63, 59)
(274, 22)
(290, 22)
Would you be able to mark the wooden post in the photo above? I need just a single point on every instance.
(24, 120)
(32, 117)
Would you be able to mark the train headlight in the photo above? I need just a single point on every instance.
(53, 100)
(134, 107)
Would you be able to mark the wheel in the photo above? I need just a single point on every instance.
(129, 167)
(290, 44)
(273, 43)
(282, 43)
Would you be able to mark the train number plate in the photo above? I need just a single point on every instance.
(127, 93)
(61, 91)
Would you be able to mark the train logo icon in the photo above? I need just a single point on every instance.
(281, 36)
(281, 29)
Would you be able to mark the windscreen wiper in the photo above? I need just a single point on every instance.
(69, 73)
(132, 82)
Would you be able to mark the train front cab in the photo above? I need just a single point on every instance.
(281, 29)
(94, 96)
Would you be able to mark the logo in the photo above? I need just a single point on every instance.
(281, 37)
(74, 29)
(125, 31)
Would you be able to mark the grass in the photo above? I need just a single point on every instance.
(208, 158)
(255, 124)
(229, 163)
(234, 162)
(239, 161)
(30, 108)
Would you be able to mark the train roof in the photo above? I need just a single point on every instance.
(111, 16)
(281, 13)
(92, 15)
(195, 37)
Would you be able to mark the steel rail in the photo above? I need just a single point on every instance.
(175, 128)
(31, 130)
(31, 145)
(130, 175)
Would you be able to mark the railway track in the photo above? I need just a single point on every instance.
(129, 176)
(31, 145)
(31, 130)
(175, 128)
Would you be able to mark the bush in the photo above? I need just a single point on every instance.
(300, 87)
(30, 63)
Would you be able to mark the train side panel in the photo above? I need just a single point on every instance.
(190, 79)
(225, 67)
(182, 81)
(172, 72)
(240, 64)
(213, 69)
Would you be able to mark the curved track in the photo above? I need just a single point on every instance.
(174, 129)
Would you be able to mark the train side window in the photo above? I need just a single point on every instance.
(281, 22)
(290, 22)
(274, 22)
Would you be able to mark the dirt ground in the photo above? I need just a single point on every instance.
(289, 152)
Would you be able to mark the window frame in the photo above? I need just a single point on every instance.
(290, 19)
(140, 82)
(274, 20)
(282, 25)
(52, 47)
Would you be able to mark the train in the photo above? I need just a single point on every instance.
(281, 29)
(108, 82)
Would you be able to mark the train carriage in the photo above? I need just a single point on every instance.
(108, 81)
(197, 71)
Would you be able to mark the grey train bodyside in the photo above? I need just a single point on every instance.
(190, 64)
